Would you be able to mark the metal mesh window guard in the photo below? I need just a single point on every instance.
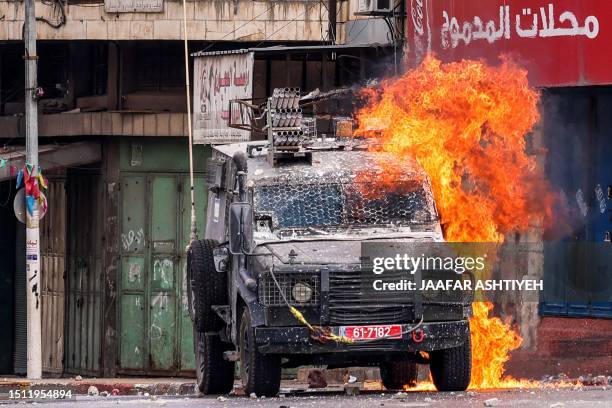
(322, 205)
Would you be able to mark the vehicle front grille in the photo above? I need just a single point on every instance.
(270, 295)
(352, 299)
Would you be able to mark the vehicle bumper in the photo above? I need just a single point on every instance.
(296, 340)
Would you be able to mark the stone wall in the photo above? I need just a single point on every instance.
(212, 20)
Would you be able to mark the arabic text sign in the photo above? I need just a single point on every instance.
(132, 6)
(218, 79)
(561, 42)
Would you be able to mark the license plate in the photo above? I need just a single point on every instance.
(391, 331)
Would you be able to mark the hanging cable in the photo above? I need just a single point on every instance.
(193, 231)
(57, 5)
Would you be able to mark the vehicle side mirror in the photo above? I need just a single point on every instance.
(241, 228)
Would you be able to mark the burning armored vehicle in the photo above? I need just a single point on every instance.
(279, 279)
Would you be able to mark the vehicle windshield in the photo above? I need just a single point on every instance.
(309, 206)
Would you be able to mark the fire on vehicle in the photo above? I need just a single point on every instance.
(278, 280)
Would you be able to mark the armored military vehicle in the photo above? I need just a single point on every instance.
(281, 279)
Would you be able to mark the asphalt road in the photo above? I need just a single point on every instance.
(587, 397)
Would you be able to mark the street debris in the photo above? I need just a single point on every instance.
(92, 391)
(238, 390)
(221, 398)
(400, 395)
(351, 389)
(589, 380)
(316, 379)
(491, 402)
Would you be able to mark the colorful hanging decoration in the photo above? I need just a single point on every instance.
(12, 170)
(33, 181)
(41, 180)
(19, 179)
(2, 163)
(30, 204)
(42, 206)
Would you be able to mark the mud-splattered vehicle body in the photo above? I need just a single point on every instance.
(286, 237)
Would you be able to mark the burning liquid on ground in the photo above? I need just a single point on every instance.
(466, 124)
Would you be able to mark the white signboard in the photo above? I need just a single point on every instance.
(131, 6)
(218, 79)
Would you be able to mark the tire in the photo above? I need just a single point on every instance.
(205, 286)
(214, 374)
(260, 374)
(451, 368)
(396, 375)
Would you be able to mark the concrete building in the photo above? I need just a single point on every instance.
(112, 127)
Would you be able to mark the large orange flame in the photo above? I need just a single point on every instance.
(466, 125)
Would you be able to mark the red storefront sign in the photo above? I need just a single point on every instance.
(560, 42)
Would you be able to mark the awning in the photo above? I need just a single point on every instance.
(282, 49)
(51, 156)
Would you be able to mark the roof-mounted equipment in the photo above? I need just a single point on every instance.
(288, 137)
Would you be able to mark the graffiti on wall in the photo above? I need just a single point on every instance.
(131, 237)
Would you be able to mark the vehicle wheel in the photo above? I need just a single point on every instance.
(214, 374)
(451, 368)
(260, 373)
(396, 375)
(205, 286)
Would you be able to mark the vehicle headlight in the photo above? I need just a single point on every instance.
(301, 292)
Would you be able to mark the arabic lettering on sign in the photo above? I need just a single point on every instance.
(543, 24)
(226, 80)
(218, 80)
(133, 6)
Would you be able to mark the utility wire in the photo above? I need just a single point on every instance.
(238, 28)
(367, 20)
(289, 22)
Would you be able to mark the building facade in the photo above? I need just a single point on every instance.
(112, 134)
(569, 329)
